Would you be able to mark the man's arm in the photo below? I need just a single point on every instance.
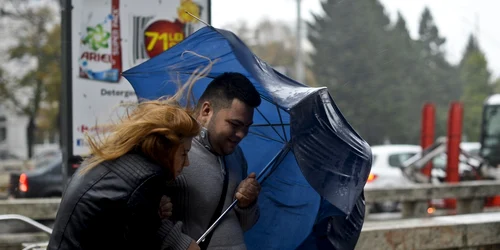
(248, 216)
(247, 208)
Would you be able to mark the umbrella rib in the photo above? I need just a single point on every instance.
(272, 102)
(268, 122)
(271, 125)
(282, 154)
(281, 121)
(265, 137)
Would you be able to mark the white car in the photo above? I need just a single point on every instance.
(386, 165)
(386, 168)
(386, 171)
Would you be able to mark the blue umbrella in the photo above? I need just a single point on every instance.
(312, 163)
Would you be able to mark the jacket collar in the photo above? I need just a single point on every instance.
(202, 138)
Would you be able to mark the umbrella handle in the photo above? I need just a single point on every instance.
(285, 150)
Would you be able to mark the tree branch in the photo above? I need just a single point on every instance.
(7, 94)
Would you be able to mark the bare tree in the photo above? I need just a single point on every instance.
(36, 52)
(273, 42)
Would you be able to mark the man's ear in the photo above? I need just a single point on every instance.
(205, 114)
(206, 109)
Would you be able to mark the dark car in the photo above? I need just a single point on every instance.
(42, 182)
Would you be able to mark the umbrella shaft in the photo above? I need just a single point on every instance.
(273, 162)
(211, 228)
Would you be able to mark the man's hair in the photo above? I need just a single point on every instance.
(229, 86)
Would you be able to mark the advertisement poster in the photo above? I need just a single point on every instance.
(111, 36)
(100, 52)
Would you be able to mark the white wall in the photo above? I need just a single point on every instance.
(16, 141)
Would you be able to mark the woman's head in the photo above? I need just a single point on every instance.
(160, 130)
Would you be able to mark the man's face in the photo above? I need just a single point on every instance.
(227, 126)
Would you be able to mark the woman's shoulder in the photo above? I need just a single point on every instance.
(120, 177)
(134, 168)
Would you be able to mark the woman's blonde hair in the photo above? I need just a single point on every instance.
(156, 128)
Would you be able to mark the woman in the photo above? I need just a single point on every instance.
(112, 202)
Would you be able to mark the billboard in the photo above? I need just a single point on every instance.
(110, 36)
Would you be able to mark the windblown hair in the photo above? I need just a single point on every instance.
(155, 128)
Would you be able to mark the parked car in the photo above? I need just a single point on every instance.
(44, 181)
(386, 171)
(46, 157)
(386, 168)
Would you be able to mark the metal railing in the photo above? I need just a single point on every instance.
(45, 229)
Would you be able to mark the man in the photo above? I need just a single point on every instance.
(225, 110)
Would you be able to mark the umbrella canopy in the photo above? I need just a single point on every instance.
(311, 151)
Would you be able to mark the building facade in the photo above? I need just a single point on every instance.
(13, 139)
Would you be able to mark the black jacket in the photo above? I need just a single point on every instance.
(114, 206)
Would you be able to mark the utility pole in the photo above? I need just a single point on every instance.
(299, 61)
(476, 28)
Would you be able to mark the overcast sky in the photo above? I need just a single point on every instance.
(456, 19)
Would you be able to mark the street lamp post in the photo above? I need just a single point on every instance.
(299, 63)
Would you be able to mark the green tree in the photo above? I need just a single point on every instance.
(471, 47)
(361, 59)
(440, 80)
(476, 78)
(39, 39)
(496, 86)
(429, 35)
(407, 85)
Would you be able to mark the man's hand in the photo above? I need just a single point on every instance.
(165, 209)
(248, 191)
(193, 246)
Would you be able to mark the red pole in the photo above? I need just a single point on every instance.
(427, 133)
(453, 151)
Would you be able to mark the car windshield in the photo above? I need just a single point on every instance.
(490, 140)
(396, 160)
(48, 166)
(47, 158)
(47, 162)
